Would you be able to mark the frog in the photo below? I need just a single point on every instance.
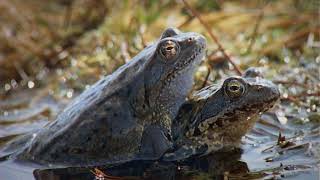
(216, 117)
(124, 116)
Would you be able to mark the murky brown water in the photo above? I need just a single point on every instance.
(296, 158)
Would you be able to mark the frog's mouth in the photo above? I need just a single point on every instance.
(244, 114)
(195, 57)
(186, 63)
(190, 56)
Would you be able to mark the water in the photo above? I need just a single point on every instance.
(259, 157)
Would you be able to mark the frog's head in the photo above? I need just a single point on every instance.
(177, 50)
(228, 112)
(170, 67)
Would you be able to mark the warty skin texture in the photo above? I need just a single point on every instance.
(215, 119)
(124, 116)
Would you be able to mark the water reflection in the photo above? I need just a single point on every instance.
(216, 166)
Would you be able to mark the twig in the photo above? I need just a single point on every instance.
(291, 83)
(295, 98)
(188, 21)
(101, 175)
(305, 94)
(21, 72)
(124, 51)
(290, 98)
(280, 138)
(68, 14)
(142, 30)
(206, 78)
(289, 38)
(291, 139)
(255, 31)
(213, 37)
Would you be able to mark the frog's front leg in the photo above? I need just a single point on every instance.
(155, 142)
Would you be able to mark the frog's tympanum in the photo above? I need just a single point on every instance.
(216, 117)
(126, 115)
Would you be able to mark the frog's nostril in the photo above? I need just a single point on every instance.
(190, 40)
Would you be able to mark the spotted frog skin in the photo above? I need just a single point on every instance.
(124, 116)
(216, 117)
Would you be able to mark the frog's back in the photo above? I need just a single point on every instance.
(112, 88)
(104, 103)
(126, 115)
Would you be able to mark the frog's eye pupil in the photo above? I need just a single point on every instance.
(169, 49)
(234, 88)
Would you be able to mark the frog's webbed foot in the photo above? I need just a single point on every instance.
(155, 142)
(185, 152)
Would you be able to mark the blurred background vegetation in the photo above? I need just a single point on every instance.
(77, 41)
(57, 48)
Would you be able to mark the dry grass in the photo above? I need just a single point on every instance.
(89, 39)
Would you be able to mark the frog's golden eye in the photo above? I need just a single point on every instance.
(234, 88)
(169, 49)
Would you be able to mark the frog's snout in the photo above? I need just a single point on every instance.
(201, 41)
(262, 93)
(197, 39)
(273, 93)
(276, 91)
